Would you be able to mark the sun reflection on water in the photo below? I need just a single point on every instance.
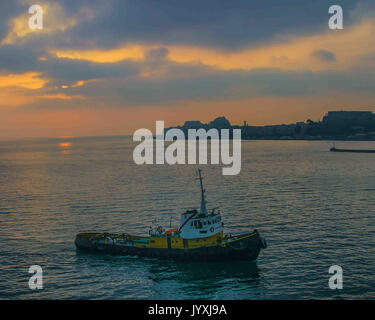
(65, 144)
(65, 147)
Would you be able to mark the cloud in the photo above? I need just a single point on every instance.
(298, 53)
(218, 24)
(324, 55)
(157, 54)
(76, 70)
(60, 96)
(55, 19)
(8, 9)
(129, 52)
(209, 84)
(29, 80)
(17, 59)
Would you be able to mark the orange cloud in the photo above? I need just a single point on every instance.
(132, 52)
(60, 96)
(348, 45)
(79, 83)
(29, 80)
(15, 90)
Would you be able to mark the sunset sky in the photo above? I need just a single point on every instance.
(111, 67)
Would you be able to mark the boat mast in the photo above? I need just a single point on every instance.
(203, 201)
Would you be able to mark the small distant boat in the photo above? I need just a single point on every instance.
(199, 237)
(334, 149)
(352, 150)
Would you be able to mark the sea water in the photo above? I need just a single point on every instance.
(314, 207)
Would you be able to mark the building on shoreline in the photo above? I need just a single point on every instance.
(337, 125)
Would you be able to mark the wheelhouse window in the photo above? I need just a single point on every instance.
(198, 224)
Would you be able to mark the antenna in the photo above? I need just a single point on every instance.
(203, 201)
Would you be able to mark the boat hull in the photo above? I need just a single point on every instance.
(352, 150)
(244, 247)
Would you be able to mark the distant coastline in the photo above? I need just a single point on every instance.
(335, 125)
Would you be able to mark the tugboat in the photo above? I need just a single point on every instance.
(199, 237)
